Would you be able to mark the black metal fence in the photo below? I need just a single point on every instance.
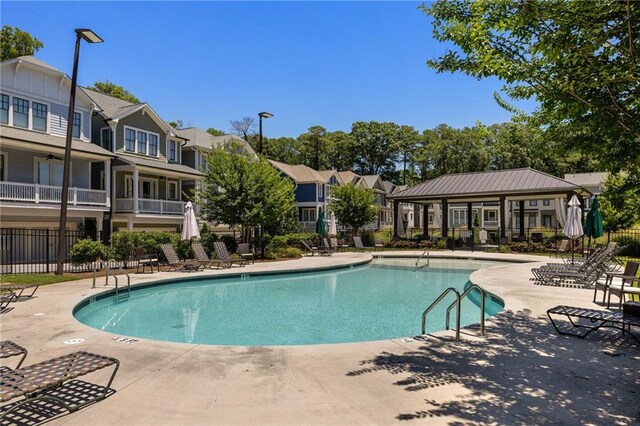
(34, 251)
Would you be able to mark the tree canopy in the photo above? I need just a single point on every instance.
(577, 59)
(112, 89)
(14, 43)
(353, 205)
(243, 191)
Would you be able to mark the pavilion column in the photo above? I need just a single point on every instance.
(503, 218)
(521, 219)
(396, 218)
(425, 220)
(445, 218)
(469, 215)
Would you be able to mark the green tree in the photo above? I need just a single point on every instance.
(246, 192)
(405, 144)
(244, 127)
(215, 132)
(14, 43)
(340, 152)
(285, 150)
(619, 204)
(353, 205)
(112, 89)
(577, 59)
(374, 145)
(314, 147)
(176, 124)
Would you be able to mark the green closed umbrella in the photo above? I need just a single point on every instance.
(593, 223)
(320, 226)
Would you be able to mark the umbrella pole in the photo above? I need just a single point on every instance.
(573, 249)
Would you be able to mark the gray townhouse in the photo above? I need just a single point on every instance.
(34, 106)
(147, 176)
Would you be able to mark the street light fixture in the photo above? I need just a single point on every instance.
(90, 37)
(262, 115)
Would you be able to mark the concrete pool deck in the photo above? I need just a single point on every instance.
(522, 372)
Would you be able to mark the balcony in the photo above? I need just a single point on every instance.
(46, 194)
(151, 206)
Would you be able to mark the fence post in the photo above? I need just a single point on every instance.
(528, 239)
(47, 248)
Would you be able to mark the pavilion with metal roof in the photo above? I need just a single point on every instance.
(500, 185)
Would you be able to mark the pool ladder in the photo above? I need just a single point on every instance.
(457, 304)
(118, 296)
(426, 265)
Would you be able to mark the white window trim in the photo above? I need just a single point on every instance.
(5, 166)
(308, 210)
(154, 182)
(135, 144)
(169, 183)
(48, 117)
(111, 136)
(70, 122)
(169, 150)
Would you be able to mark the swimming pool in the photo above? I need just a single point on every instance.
(382, 300)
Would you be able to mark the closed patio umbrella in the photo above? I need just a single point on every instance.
(333, 229)
(320, 227)
(190, 224)
(573, 225)
(593, 227)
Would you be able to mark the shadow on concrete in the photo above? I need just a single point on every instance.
(522, 373)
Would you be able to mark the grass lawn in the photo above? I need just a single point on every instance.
(41, 279)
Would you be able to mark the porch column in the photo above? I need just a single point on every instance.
(136, 177)
(107, 181)
(445, 218)
(396, 218)
(503, 217)
(130, 223)
(521, 219)
(469, 215)
(99, 222)
(425, 220)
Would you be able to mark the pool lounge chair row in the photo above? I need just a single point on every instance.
(50, 382)
(202, 260)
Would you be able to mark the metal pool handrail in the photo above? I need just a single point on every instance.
(420, 258)
(109, 271)
(483, 295)
(438, 300)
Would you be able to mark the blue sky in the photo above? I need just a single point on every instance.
(308, 63)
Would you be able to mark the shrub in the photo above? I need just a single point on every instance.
(441, 244)
(87, 251)
(369, 239)
(207, 239)
(230, 242)
(403, 244)
(504, 249)
(291, 240)
(290, 252)
(122, 245)
(631, 246)
(182, 247)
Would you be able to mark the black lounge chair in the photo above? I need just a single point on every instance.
(597, 319)
(145, 260)
(9, 349)
(52, 382)
(202, 257)
(176, 264)
(18, 289)
(245, 252)
(338, 244)
(7, 296)
(313, 250)
(222, 254)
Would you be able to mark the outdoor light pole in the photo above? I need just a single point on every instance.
(262, 115)
(90, 37)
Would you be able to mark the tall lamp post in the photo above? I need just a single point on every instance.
(262, 115)
(90, 37)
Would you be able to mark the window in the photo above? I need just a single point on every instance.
(39, 117)
(320, 191)
(546, 202)
(546, 220)
(490, 216)
(142, 143)
(77, 118)
(49, 172)
(172, 151)
(203, 161)
(533, 220)
(172, 190)
(308, 215)
(153, 144)
(3, 167)
(20, 112)
(129, 139)
(459, 217)
(105, 138)
(533, 203)
(4, 109)
(430, 218)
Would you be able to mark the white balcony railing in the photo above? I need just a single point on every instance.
(150, 206)
(46, 194)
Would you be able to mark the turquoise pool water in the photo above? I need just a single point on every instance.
(378, 301)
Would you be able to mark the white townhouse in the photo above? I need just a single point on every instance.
(34, 100)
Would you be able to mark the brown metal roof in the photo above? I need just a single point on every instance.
(500, 182)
